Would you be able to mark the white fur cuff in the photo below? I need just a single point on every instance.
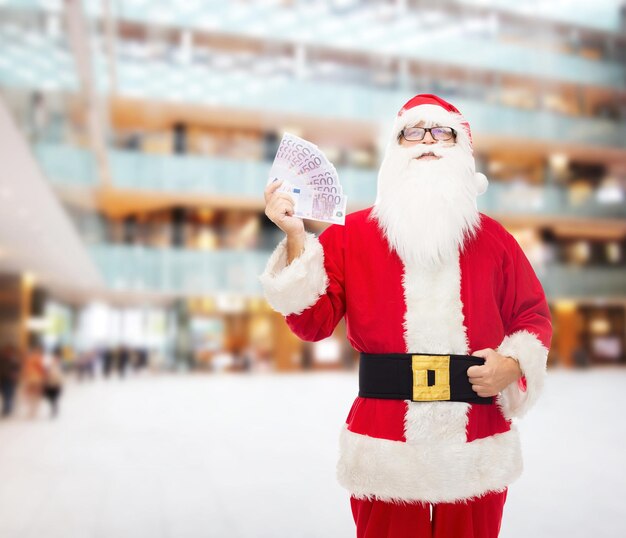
(292, 288)
(532, 356)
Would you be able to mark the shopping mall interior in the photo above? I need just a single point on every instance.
(136, 139)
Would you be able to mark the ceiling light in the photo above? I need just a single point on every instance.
(29, 278)
(610, 192)
(559, 161)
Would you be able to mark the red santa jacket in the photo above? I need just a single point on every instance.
(488, 296)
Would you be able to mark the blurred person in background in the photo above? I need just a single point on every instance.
(156, 361)
(108, 360)
(141, 359)
(33, 375)
(86, 364)
(53, 382)
(451, 322)
(10, 366)
(581, 356)
(123, 358)
(39, 116)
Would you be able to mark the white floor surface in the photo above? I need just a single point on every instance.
(234, 456)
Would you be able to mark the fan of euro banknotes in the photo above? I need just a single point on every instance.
(311, 179)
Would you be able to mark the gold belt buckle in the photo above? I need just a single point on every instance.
(421, 364)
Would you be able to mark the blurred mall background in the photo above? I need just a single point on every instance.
(136, 137)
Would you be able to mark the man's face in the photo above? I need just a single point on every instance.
(428, 140)
(426, 198)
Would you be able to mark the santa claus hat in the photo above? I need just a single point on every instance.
(433, 110)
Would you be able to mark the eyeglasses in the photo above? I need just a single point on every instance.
(416, 134)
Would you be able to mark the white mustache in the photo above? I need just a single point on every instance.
(415, 152)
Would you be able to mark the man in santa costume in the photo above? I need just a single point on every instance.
(451, 322)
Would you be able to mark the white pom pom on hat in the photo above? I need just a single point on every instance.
(481, 183)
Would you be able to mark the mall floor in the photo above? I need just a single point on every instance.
(234, 456)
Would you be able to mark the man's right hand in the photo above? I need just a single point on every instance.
(279, 209)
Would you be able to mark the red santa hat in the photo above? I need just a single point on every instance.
(433, 110)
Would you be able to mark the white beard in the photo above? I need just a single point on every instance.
(427, 208)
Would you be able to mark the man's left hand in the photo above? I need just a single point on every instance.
(496, 374)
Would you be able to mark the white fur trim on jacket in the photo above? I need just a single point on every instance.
(292, 288)
(433, 322)
(444, 471)
(438, 422)
(532, 356)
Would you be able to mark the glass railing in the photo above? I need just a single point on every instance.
(67, 165)
(334, 101)
(46, 64)
(357, 102)
(465, 42)
(217, 176)
(563, 282)
(600, 14)
(245, 180)
(191, 272)
(179, 271)
(519, 198)
(33, 59)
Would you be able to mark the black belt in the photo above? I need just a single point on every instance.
(417, 377)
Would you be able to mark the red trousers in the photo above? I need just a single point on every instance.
(478, 518)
